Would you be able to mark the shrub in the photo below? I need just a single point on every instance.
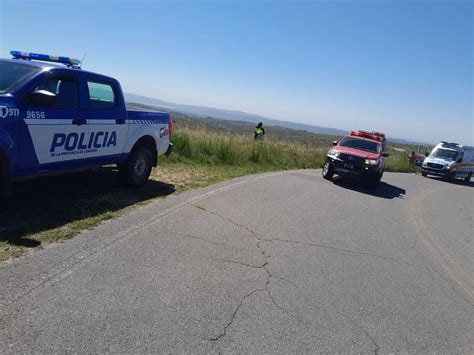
(182, 145)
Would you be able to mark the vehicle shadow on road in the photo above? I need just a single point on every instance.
(383, 189)
(43, 205)
(459, 182)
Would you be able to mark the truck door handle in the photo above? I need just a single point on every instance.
(120, 121)
(79, 121)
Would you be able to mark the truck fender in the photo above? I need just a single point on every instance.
(134, 134)
(143, 136)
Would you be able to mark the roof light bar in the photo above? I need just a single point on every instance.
(71, 62)
(377, 136)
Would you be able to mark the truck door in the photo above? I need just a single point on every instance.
(58, 130)
(107, 117)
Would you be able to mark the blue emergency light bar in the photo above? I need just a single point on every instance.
(70, 62)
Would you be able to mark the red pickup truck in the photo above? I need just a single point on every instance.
(361, 155)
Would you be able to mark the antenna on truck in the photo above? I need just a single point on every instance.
(82, 61)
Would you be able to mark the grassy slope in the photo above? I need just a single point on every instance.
(206, 151)
(211, 143)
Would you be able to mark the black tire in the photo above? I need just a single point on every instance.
(468, 178)
(328, 171)
(424, 174)
(5, 179)
(451, 176)
(379, 177)
(136, 171)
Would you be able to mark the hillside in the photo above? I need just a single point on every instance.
(218, 142)
(222, 115)
(242, 127)
(203, 112)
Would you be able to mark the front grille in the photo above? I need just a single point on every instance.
(351, 159)
(435, 166)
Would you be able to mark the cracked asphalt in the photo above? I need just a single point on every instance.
(275, 263)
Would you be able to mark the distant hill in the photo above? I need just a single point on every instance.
(230, 115)
(183, 120)
(202, 111)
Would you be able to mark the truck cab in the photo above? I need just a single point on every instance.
(58, 118)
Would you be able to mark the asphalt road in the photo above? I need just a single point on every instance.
(280, 262)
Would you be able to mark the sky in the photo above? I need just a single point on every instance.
(402, 67)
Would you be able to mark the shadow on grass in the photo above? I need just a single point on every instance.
(41, 205)
(383, 189)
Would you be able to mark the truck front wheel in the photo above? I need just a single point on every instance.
(328, 171)
(468, 178)
(136, 171)
(451, 176)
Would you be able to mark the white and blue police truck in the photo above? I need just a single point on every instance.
(56, 117)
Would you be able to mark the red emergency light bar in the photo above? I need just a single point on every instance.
(376, 136)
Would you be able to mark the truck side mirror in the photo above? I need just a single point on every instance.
(385, 154)
(459, 160)
(427, 154)
(334, 142)
(41, 98)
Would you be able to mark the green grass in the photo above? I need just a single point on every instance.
(207, 147)
(55, 209)
(216, 149)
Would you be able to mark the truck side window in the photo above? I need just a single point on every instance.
(65, 89)
(101, 95)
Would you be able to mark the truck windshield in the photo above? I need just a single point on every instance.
(446, 154)
(13, 73)
(361, 144)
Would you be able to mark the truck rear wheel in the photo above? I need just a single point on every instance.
(136, 171)
(328, 171)
(424, 174)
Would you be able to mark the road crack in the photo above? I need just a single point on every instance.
(234, 314)
(270, 276)
(274, 302)
(265, 289)
(241, 263)
(358, 326)
(322, 246)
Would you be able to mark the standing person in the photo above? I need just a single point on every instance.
(259, 131)
(412, 161)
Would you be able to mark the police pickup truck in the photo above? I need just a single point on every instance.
(56, 118)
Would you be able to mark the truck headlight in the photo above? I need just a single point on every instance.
(334, 152)
(371, 162)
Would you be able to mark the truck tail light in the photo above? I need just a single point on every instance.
(170, 127)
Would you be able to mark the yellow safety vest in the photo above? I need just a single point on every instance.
(258, 131)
